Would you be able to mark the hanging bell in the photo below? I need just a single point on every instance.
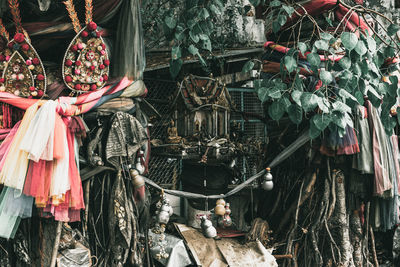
(267, 183)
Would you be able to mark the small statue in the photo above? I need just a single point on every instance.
(173, 137)
(209, 230)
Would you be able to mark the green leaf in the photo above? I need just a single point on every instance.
(248, 66)
(276, 111)
(282, 19)
(296, 96)
(207, 45)
(288, 9)
(326, 36)
(360, 97)
(324, 105)
(378, 59)
(276, 26)
(175, 66)
(215, 10)
(383, 88)
(219, 3)
(254, 2)
(329, 21)
(195, 37)
(321, 121)
(314, 59)
(309, 101)
(345, 63)
(275, 3)
(263, 94)
(193, 50)
(339, 120)
(295, 114)
(203, 14)
(349, 40)
(290, 64)
(340, 106)
(322, 45)
(176, 52)
(393, 29)
(389, 52)
(360, 48)
(371, 44)
(302, 47)
(274, 92)
(343, 93)
(314, 132)
(326, 77)
(170, 22)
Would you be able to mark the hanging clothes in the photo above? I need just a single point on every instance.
(363, 161)
(382, 181)
(125, 138)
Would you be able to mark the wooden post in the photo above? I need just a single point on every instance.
(56, 244)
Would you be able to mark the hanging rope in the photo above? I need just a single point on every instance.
(300, 141)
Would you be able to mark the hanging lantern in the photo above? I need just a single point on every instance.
(267, 184)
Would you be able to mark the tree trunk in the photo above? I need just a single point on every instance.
(356, 238)
(340, 222)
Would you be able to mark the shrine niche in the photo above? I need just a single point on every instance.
(199, 127)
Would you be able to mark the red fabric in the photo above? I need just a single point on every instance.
(76, 192)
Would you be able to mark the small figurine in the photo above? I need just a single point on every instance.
(209, 230)
(267, 183)
(173, 137)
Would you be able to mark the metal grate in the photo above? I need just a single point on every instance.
(246, 100)
(161, 94)
(164, 170)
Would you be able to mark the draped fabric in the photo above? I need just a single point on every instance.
(382, 181)
(72, 106)
(125, 137)
(129, 46)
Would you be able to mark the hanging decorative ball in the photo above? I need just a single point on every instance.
(220, 201)
(25, 47)
(40, 93)
(28, 62)
(227, 209)
(219, 210)
(267, 183)
(19, 37)
(35, 61)
(31, 67)
(32, 88)
(84, 34)
(2, 88)
(34, 93)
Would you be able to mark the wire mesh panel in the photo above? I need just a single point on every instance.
(254, 130)
(164, 170)
(161, 94)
